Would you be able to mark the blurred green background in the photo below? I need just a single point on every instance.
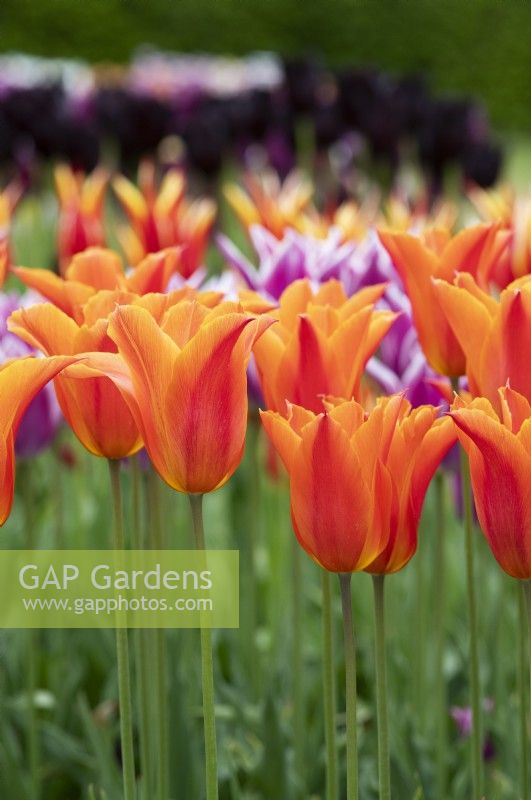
(476, 47)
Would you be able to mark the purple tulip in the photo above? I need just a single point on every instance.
(42, 418)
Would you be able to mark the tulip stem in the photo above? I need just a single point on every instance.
(141, 645)
(440, 597)
(122, 651)
(207, 670)
(477, 766)
(59, 494)
(329, 689)
(298, 671)
(384, 768)
(527, 593)
(525, 633)
(350, 686)
(33, 743)
(419, 638)
(161, 698)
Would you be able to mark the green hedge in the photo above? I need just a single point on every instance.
(478, 47)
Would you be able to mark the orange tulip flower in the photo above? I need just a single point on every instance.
(185, 383)
(321, 343)
(499, 450)
(94, 408)
(401, 215)
(495, 335)
(163, 217)
(358, 480)
(270, 203)
(20, 381)
(514, 213)
(81, 200)
(437, 254)
(96, 269)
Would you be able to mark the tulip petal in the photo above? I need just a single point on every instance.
(500, 468)
(283, 437)
(515, 408)
(149, 355)
(367, 296)
(308, 369)
(20, 380)
(182, 321)
(95, 409)
(330, 504)
(154, 271)
(207, 403)
(45, 327)
(470, 322)
(97, 267)
(66, 295)
(416, 265)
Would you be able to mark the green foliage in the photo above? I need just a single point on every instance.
(479, 47)
(76, 696)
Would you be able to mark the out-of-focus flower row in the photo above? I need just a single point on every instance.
(201, 111)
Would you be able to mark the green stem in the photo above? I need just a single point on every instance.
(141, 646)
(350, 687)
(159, 659)
(522, 672)
(384, 770)
(33, 724)
(33, 742)
(527, 592)
(122, 651)
(439, 624)
(245, 496)
(207, 670)
(329, 689)
(476, 737)
(418, 631)
(58, 493)
(299, 728)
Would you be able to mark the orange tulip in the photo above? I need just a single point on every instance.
(95, 269)
(401, 215)
(436, 254)
(320, 345)
(495, 335)
(499, 450)
(514, 213)
(352, 220)
(20, 381)
(163, 217)
(270, 203)
(94, 408)
(358, 480)
(81, 201)
(185, 383)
